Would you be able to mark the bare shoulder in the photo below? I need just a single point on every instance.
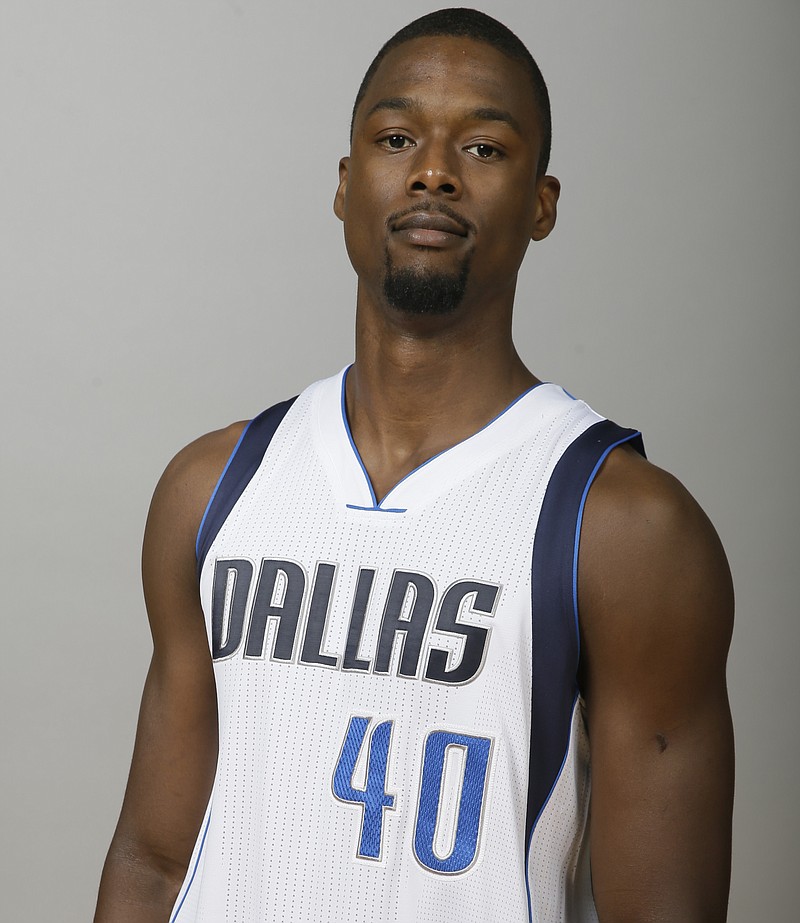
(652, 569)
(632, 498)
(190, 477)
(179, 501)
(188, 481)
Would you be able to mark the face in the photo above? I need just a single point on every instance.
(440, 191)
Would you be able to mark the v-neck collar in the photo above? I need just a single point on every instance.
(349, 476)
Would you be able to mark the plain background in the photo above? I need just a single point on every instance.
(169, 262)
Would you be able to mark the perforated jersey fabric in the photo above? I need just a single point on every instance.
(401, 734)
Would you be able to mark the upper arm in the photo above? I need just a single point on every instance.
(176, 740)
(656, 606)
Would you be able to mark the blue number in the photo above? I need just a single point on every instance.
(476, 761)
(373, 798)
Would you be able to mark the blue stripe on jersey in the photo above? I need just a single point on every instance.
(556, 642)
(242, 465)
(375, 509)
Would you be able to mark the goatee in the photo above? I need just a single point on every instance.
(424, 292)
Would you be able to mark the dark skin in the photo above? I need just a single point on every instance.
(450, 125)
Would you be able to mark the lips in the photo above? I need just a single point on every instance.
(426, 221)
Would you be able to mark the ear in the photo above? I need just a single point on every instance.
(548, 189)
(338, 199)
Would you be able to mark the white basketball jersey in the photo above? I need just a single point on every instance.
(400, 729)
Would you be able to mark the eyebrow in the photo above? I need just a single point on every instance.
(481, 114)
(393, 103)
(491, 114)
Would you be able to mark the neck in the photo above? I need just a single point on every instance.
(420, 385)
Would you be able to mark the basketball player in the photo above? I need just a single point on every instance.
(433, 641)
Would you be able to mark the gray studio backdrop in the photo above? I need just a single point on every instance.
(169, 263)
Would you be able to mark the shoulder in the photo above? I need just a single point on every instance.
(189, 479)
(651, 566)
(179, 501)
(631, 494)
(636, 509)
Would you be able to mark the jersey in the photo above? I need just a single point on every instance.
(400, 727)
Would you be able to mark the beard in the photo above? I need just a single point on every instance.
(424, 292)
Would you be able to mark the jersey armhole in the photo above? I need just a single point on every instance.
(554, 600)
(244, 461)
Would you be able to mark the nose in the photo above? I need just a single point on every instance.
(433, 172)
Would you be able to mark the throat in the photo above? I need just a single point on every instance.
(411, 400)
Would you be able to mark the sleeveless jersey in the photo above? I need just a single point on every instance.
(400, 727)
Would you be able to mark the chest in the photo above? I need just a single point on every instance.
(295, 576)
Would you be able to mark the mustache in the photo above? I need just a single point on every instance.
(431, 207)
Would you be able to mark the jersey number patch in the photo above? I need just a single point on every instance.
(450, 796)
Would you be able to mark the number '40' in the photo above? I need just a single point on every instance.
(461, 850)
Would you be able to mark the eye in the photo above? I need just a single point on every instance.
(484, 151)
(396, 142)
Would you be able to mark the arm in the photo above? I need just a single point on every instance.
(176, 740)
(656, 606)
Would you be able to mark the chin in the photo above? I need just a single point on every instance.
(424, 292)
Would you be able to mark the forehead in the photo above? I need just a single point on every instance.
(442, 72)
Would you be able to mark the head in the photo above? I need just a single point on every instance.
(445, 184)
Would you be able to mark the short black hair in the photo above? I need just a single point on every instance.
(461, 22)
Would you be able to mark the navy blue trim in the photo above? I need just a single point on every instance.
(217, 486)
(556, 640)
(242, 465)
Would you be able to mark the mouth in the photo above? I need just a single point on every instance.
(425, 221)
(430, 229)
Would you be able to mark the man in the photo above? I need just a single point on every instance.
(435, 590)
